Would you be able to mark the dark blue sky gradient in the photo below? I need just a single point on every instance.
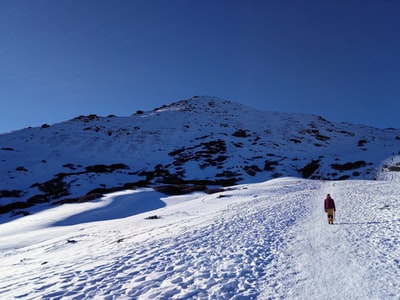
(60, 59)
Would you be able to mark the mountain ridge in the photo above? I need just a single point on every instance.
(200, 143)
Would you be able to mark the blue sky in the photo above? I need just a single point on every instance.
(60, 59)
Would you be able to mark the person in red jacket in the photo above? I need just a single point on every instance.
(330, 208)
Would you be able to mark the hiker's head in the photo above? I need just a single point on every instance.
(328, 195)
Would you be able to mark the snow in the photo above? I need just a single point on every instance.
(267, 240)
(262, 239)
(143, 142)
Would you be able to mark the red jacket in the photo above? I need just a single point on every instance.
(329, 203)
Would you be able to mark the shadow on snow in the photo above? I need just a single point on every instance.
(120, 207)
(366, 223)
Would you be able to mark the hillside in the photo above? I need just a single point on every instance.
(201, 143)
(268, 240)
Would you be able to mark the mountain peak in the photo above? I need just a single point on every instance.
(200, 103)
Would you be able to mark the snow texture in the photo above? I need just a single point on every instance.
(268, 240)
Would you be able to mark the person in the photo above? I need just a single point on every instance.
(330, 208)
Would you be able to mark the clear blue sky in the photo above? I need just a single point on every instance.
(60, 59)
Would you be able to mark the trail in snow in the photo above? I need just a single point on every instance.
(257, 241)
(354, 258)
(230, 259)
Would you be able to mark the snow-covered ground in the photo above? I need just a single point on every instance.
(265, 240)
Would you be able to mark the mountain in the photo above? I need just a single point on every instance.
(187, 205)
(202, 143)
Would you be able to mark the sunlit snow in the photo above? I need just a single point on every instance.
(268, 240)
(261, 239)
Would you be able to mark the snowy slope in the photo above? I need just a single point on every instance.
(203, 141)
(267, 240)
(258, 238)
